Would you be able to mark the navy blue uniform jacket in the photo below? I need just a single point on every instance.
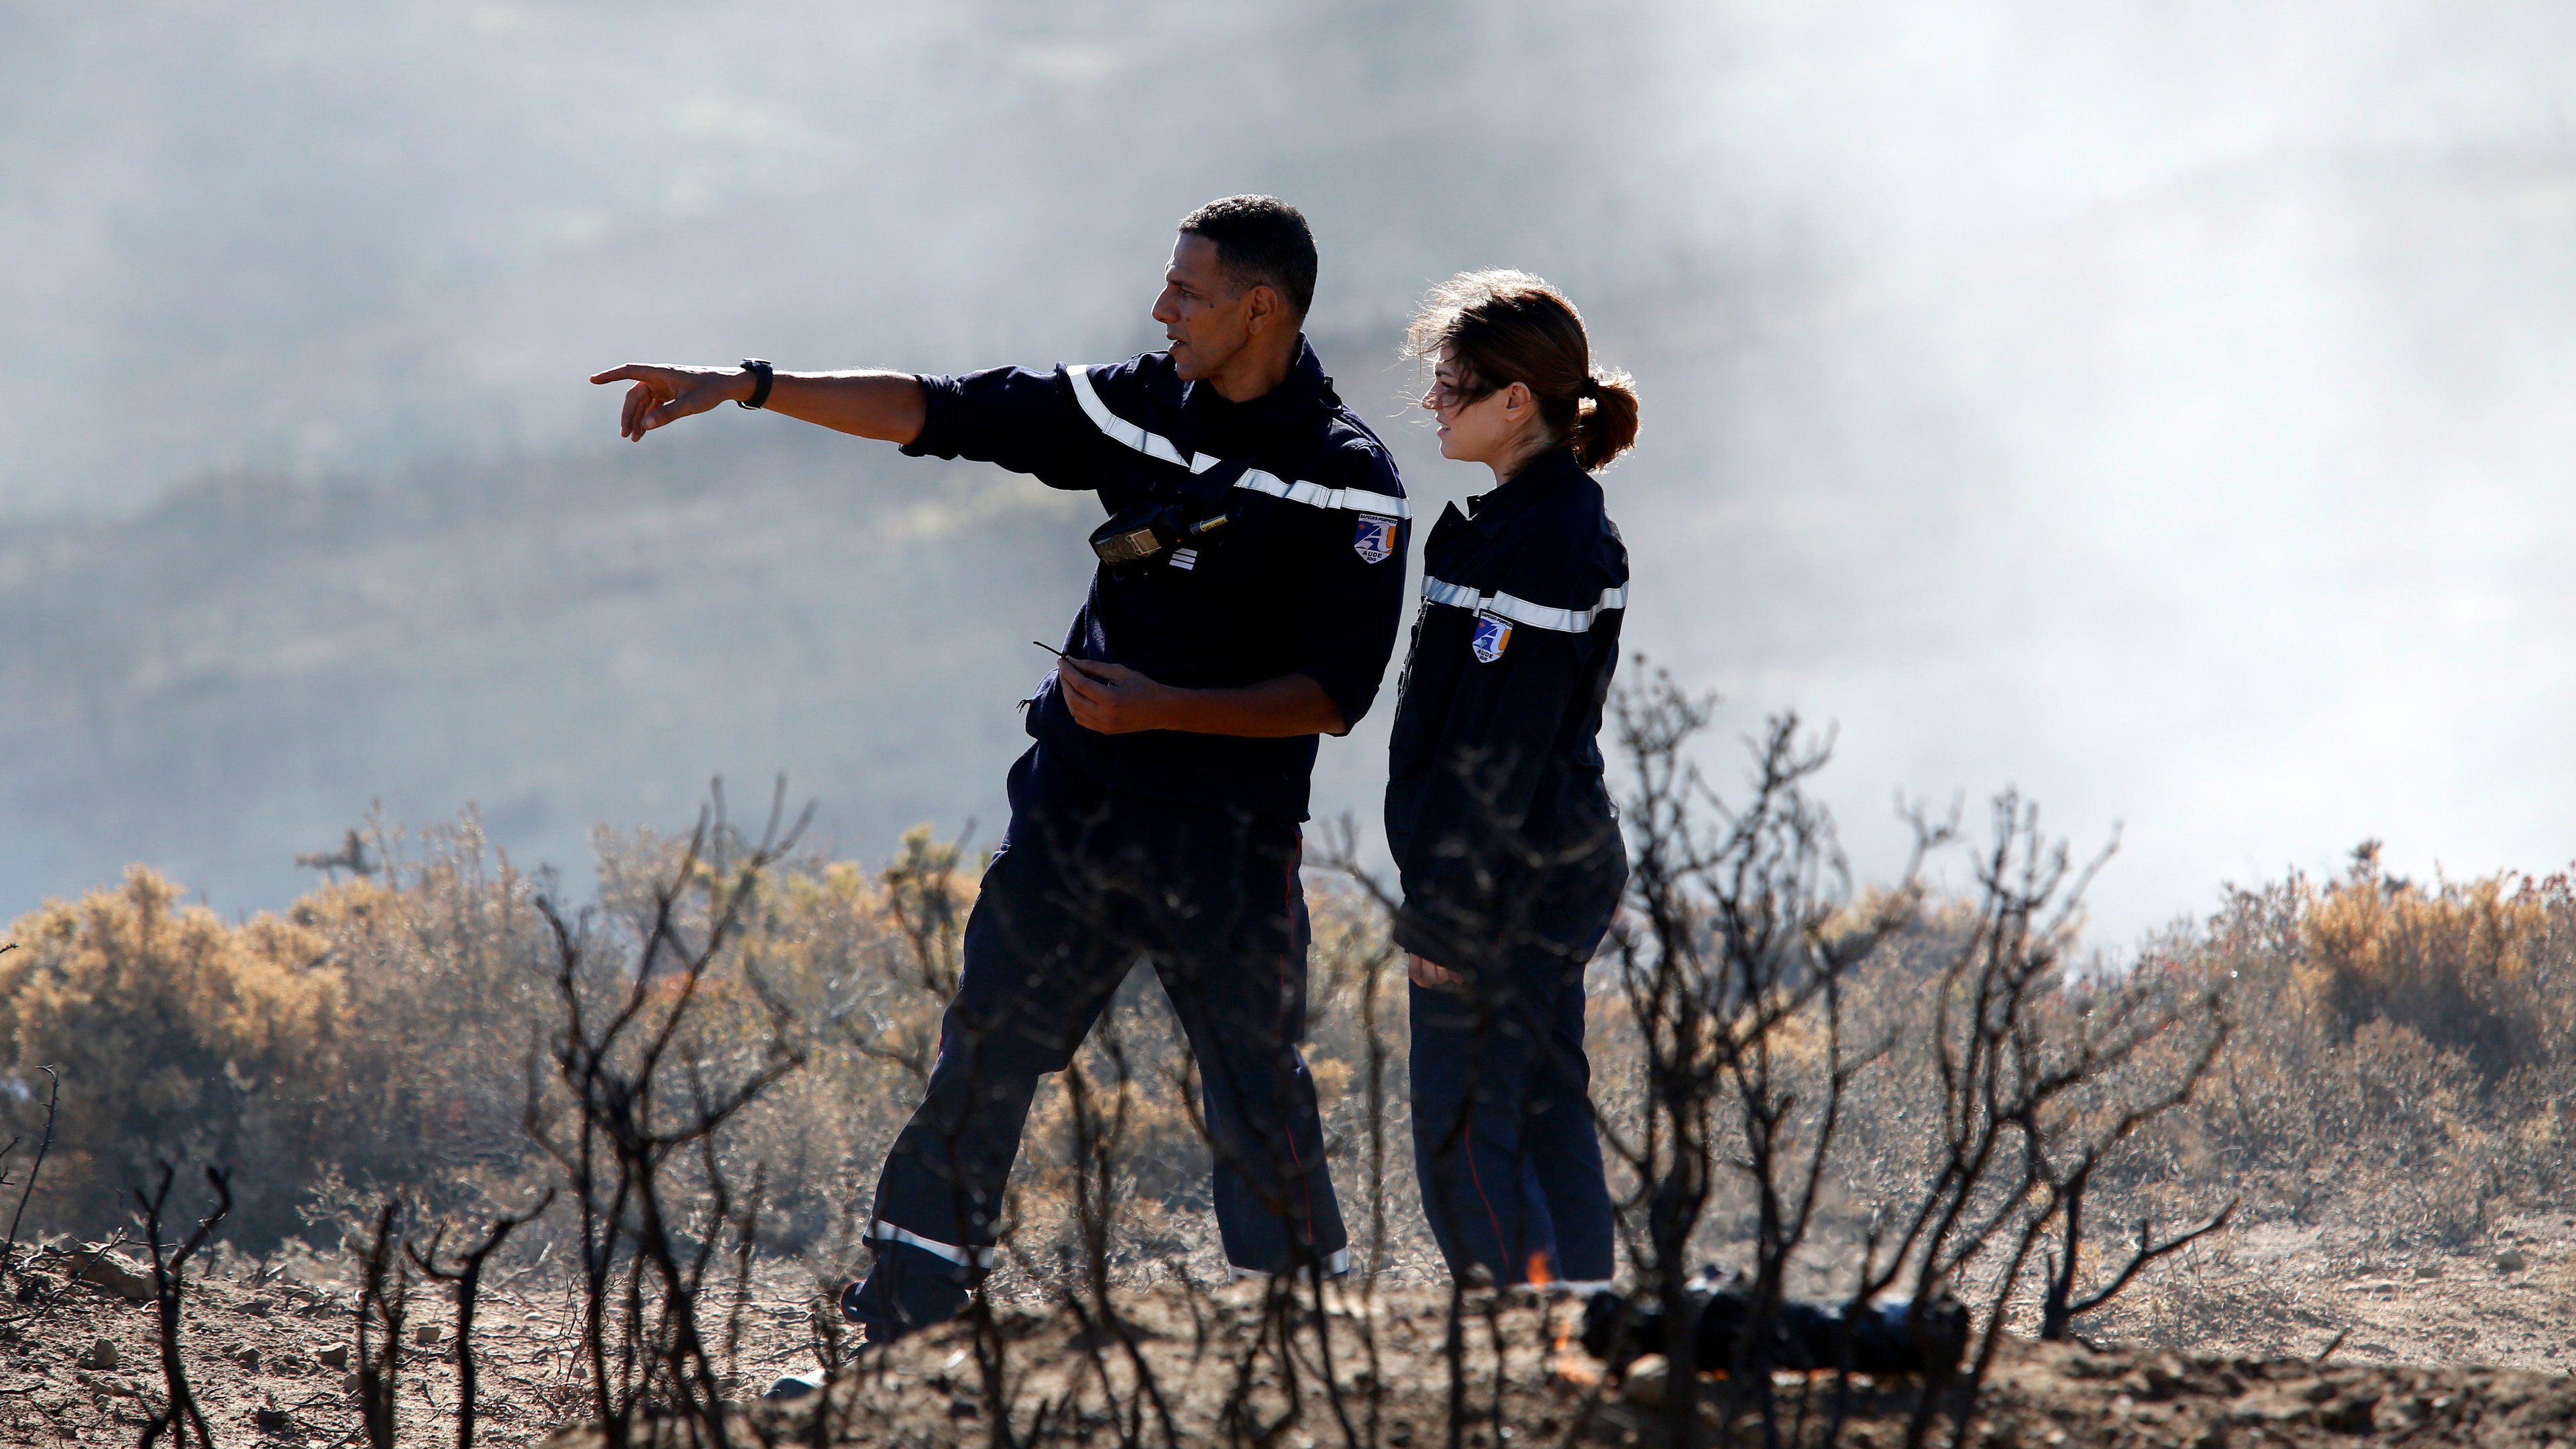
(1306, 576)
(1498, 716)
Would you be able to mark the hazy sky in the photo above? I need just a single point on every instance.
(2162, 407)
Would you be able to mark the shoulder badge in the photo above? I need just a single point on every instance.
(1489, 638)
(1375, 540)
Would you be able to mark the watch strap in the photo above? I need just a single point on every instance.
(761, 377)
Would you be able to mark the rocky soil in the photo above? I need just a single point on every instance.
(2277, 1336)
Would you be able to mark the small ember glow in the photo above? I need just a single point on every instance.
(1539, 1276)
(1570, 1366)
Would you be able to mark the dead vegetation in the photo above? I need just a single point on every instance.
(494, 1164)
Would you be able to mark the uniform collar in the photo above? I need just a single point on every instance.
(1492, 511)
(1225, 426)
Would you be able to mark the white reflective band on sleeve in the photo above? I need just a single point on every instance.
(1522, 611)
(1334, 1264)
(1152, 445)
(964, 1257)
(1316, 495)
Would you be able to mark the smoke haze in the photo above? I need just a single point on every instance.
(2159, 407)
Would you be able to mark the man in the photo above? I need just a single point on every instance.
(1248, 599)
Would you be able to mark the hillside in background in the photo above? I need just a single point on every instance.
(234, 675)
(375, 241)
(2158, 408)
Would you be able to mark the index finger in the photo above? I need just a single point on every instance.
(631, 372)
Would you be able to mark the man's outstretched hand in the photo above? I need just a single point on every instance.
(887, 405)
(662, 395)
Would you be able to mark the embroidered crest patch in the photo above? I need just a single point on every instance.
(1375, 540)
(1489, 638)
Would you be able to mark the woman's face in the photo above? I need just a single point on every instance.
(1483, 429)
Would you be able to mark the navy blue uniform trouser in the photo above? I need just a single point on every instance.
(1085, 885)
(1504, 1148)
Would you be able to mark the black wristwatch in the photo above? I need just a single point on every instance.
(761, 379)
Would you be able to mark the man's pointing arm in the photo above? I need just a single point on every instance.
(885, 405)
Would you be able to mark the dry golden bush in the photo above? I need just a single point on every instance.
(2400, 1057)
(2399, 1060)
(176, 1035)
(2466, 966)
(853, 967)
(441, 1007)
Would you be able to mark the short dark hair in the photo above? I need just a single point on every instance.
(1260, 239)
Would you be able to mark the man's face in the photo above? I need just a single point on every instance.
(1205, 315)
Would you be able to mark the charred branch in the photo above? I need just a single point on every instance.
(467, 1275)
(180, 1418)
(2062, 1307)
(53, 1105)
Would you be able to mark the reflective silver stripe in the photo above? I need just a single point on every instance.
(1156, 446)
(1152, 445)
(1522, 611)
(1316, 495)
(1457, 594)
(1334, 1264)
(964, 1257)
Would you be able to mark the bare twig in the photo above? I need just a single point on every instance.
(179, 1417)
(467, 1275)
(383, 1305)
(623, 1056)
(53, 1101)
(2059, 1312)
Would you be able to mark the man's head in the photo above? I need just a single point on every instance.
(1241, 278)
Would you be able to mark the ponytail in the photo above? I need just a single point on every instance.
(1605, 420)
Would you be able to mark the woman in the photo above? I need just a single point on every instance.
(1502, 827)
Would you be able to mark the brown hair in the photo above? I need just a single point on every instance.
(1500, 327)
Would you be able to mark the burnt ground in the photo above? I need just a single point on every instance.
(2277, 1290)
(2427, 1347)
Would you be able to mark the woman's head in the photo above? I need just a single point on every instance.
(1513, 375)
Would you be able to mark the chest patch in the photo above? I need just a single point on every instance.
(1489, 638)
(1375, 539)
